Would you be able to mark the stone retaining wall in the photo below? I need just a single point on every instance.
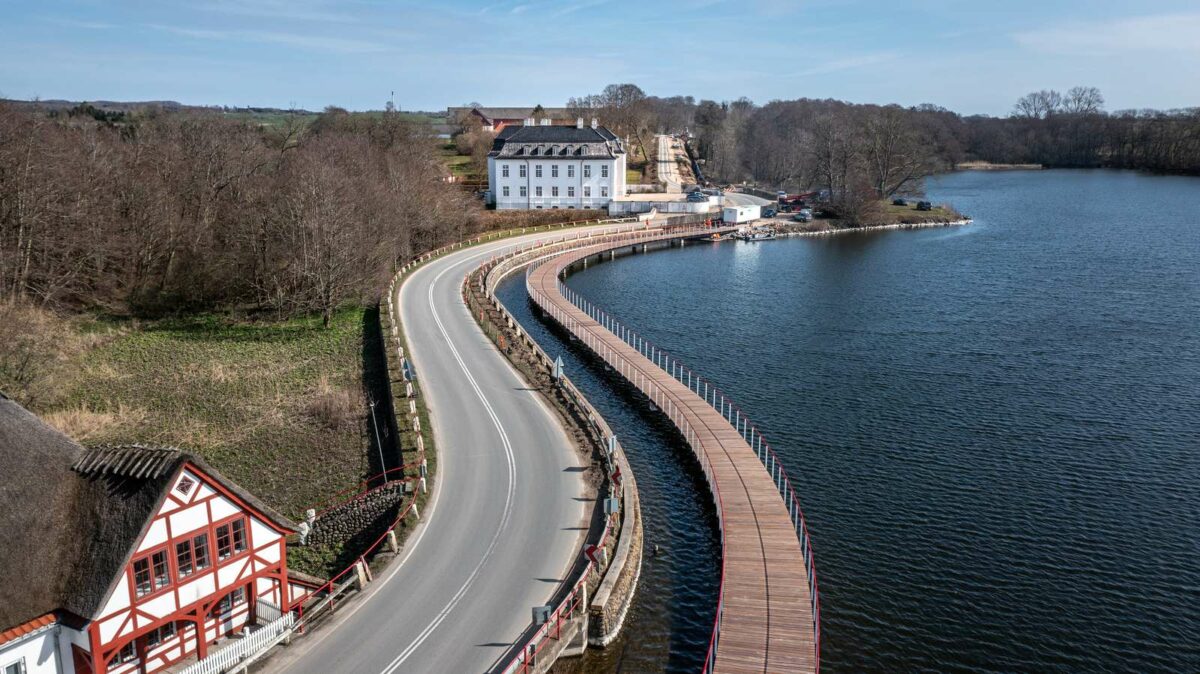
(367, 516)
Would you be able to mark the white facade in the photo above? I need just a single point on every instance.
(563, 182)
(43, 651)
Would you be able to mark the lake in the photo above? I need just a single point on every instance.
(994, 429)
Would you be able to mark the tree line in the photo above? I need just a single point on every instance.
(860, 153)
(154, 212)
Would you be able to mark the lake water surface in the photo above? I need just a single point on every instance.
(994, 429)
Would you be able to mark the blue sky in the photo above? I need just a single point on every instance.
(970, 56)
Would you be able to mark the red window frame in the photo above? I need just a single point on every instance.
(233, 537)
(154, 581)
(184, 559)
(201, 552)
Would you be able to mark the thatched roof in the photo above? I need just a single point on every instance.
(67, 533)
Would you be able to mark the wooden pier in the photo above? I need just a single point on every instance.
(768, 614)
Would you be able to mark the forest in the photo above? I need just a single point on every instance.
(866, 152)
(153, 212)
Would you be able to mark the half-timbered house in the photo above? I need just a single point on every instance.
(125, 559)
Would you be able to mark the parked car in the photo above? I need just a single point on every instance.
(697, 197)
(768, 212)
(924, 205)
(803, 216)
(899, 201)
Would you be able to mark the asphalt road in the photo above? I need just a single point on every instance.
(507, 517)
(668, 170)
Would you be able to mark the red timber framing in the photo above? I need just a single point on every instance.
(196, 621)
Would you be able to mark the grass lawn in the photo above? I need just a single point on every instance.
(910, 215)
(277, 407)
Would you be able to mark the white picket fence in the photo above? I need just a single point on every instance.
(249, 645)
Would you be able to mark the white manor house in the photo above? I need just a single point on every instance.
(545, 166)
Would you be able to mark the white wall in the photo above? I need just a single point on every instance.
(40, 652)
(615, 182)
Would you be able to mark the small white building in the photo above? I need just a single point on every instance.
(123, 560)
(546, 166)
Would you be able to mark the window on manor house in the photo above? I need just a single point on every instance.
(554, 170)
(522, 170)
(537, 171)
(570, 190)
(604, 171)
(506, 190)
(554, 191)
(570, 170)
(603, 191)
(587, 171)
(17, 667)
(524, 191)
(587, 190)
(504, 170)
(537, 190)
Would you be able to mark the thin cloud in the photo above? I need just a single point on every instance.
(587, 4)
(850, 63)
(89, 25)
(312, 42)
(277, 9)
(1156, 32)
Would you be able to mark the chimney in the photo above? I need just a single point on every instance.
(578, 122)
(595, 123)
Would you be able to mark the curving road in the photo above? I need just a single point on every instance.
(507, 516)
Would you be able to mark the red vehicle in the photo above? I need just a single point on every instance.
(791, 202)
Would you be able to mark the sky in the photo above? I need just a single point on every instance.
(971, 56)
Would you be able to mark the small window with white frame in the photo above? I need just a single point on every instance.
(17, 667)
(524, 191)
(504, 170)
(506, 190)
(521, 172)
(570, 190)
(554, 170)
(537, 191)
(603, 191)
(570, 170)
(537, 171)
(587, 171)
(604, 170)
(587, 191)
(554, 191)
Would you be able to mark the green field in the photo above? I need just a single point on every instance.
(275, 406)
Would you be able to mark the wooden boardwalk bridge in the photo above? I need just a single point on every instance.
(768, 614)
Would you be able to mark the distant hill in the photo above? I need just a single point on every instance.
(176, 106)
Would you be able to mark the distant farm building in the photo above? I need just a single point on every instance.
(495, 119)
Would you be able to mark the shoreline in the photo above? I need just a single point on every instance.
(873, 228)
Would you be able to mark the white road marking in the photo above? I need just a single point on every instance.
(512, 469)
